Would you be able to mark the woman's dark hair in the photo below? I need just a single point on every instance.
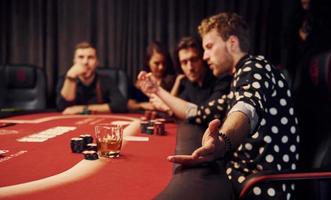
(156, 46)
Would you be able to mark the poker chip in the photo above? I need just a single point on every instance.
(153, 126)
(91, 147)
(150, 130)
(159, 128)
(151, 122)
(143, 126)
(77, 145)
(89, 151)
(90, 155)
(87, 138)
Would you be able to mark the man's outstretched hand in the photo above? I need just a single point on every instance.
(210, 150)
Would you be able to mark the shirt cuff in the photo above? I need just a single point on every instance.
(248, 110)
(191, 110)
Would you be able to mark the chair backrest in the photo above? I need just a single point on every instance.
(117, 75)
(2, 86)
(25, 88)
(320, 72)
(319, 134)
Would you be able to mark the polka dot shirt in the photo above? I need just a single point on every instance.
(273, 143)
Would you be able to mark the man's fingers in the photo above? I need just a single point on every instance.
(188, 159)
(202, 154)
(214, 125)
(142, 75)
(183, 159)
(203, 151)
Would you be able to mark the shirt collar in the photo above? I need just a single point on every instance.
(242, 61)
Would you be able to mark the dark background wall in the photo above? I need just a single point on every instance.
(44, 32)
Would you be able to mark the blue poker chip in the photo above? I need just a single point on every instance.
(90, 155)
(87, 138)
(91, 147)
(77, 145)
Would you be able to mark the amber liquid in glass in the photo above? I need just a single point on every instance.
(109, 148)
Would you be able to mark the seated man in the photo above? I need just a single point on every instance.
(197, 83)
(259, 132)
(82, 90)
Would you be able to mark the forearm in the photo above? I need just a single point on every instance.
(99, 108)
(175, 87)
(133, 105)
(236, 127)
(68, 91)
(177, 105)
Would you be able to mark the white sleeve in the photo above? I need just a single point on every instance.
(248, 110)
(191, 110)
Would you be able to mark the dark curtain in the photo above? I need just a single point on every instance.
(44, 32)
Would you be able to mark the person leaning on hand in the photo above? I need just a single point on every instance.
(82, 90)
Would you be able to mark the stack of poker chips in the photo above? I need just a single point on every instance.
(90, 155)
(143, 125)
(159, 128)
(154, 126)
(91, 147)
(77, 145)
(83, 144)
(150, 130)
(87, 138)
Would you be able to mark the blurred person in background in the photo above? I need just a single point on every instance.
(158, 62)
(82, 90)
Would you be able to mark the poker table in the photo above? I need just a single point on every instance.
(38, 163)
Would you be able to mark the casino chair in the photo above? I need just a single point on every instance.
(24, 87)
(118, 75)
(2, 86)
(319, 171)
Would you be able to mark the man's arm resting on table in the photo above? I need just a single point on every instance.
(133, 105)
(87, 109)
(99, 108)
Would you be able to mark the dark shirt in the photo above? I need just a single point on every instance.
(87, 94)
(194, 93)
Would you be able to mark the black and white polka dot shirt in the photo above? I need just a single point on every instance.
(274, 140)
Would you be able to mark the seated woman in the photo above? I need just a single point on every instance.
(158, 62)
